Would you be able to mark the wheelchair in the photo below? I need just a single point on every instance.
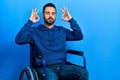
(31, 74)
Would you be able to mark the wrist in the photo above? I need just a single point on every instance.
(29, 22)
(31, 19)
(70, 19)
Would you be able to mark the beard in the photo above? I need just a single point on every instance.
(49, 21)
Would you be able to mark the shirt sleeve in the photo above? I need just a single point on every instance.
(75, 33)
(24, 35)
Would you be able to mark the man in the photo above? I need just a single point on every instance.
(49, 40)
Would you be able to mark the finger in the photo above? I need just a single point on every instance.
(62, 10)
(32, 11)
(63, 17)
(38, 18)
(67, 11)
(37, 11)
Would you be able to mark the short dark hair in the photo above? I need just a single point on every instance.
(48, 5)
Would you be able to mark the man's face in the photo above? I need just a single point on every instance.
(49, 15)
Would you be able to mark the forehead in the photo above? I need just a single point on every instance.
(50, 9)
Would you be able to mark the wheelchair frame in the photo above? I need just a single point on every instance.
(33, 75)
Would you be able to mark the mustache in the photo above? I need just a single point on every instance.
(50, 18)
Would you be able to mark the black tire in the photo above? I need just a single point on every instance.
(31, 74)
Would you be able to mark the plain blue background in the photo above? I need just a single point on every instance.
(99, 21)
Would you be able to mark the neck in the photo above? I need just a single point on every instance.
(49, 26)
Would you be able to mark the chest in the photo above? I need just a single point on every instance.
(50, 37)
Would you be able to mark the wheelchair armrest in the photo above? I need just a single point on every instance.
(76, 52)
(79, 53)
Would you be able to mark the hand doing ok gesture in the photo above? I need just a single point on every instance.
(66, 15)
(34, 16)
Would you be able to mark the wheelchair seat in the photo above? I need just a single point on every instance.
(32, 74)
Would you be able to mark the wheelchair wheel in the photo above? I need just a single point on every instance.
(30, 73)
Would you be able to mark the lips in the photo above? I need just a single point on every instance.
(50, 18)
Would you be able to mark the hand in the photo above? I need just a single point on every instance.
(34, 16)
(66, 15)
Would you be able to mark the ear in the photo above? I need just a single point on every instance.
(43, 15)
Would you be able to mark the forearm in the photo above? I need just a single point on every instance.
(24, 35)
(76, 33)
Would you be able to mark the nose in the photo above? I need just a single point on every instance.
(50, 15)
